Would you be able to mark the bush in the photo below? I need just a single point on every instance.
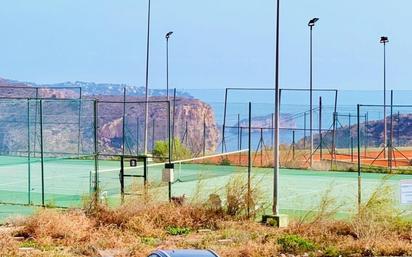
(295, 244)
(379, 215)
(177, 231)
(332, 251)
(225, 162)
(180, 152)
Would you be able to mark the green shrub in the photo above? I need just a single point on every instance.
(225, 162)
(331, 251)
(180, 152)
(177, 231)
(295, 244)
(150, 241)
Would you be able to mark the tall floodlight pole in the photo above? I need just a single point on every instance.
(275, 207)
(167, 63)
(146, 115)
(311, 24)
(384, 41)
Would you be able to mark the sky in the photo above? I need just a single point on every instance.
(216, 43)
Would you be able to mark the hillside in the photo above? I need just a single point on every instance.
(91, 88)
(61, 122)
(372, 133)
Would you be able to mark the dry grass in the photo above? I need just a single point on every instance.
(140, 226)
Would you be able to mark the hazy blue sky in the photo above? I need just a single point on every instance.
(217, 43)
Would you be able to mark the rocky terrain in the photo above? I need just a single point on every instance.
(62, 132)
(266, 122)
(372, 133)
(91, 88)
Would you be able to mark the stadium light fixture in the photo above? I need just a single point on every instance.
(312, 22)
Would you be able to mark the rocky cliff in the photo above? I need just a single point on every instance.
(20, 122)
(266, 122)
(371, 133)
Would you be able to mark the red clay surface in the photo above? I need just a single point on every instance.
(372, 157)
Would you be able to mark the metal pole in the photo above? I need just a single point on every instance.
(137, 135)
(366, 134)
(333, 138)
(204, 135)
(167, 66)
(122, 178)
(35, 122)
(186, 134)
(261, 147)
(249, 170)
(169, 145)
(351, 148)
(311, 98)
(384, 101)
(173, 120)
(359, 161)
(28, 154)
(335, 110)
(96, 149)
(224, 122)
(147, 80)
(80, 120)
(293, 145)
(238, 131)
(304, 130)
(124, 122)
(320, 127)
(391, 136)
(398, 130)
(349, 132)
(42, 153)
(272, 130)
(153, 133)
(240, 154)
(275, 207)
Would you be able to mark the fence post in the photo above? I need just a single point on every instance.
(249, 170)
(293, 145)
(224, 122)
(153, 134)
(137, 135)
(170, 148)
(28, 154)
(96, 150)
(366, 134)
(173, 120)
(350, 130)
(124, 122)
(304, 131)
(320, 128)
(359, 161)
(391, 136)
(351, 149)
(79, 120)
(240, 146)
(42, 153)
(204, 135)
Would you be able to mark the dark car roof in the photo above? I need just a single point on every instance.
(184, 253)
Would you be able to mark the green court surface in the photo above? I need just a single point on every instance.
(68, 181)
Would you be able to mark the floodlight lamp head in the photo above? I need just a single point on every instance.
(312, 22)
(384, 40)
(169, 34)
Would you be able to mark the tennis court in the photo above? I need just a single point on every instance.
(68, 181)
